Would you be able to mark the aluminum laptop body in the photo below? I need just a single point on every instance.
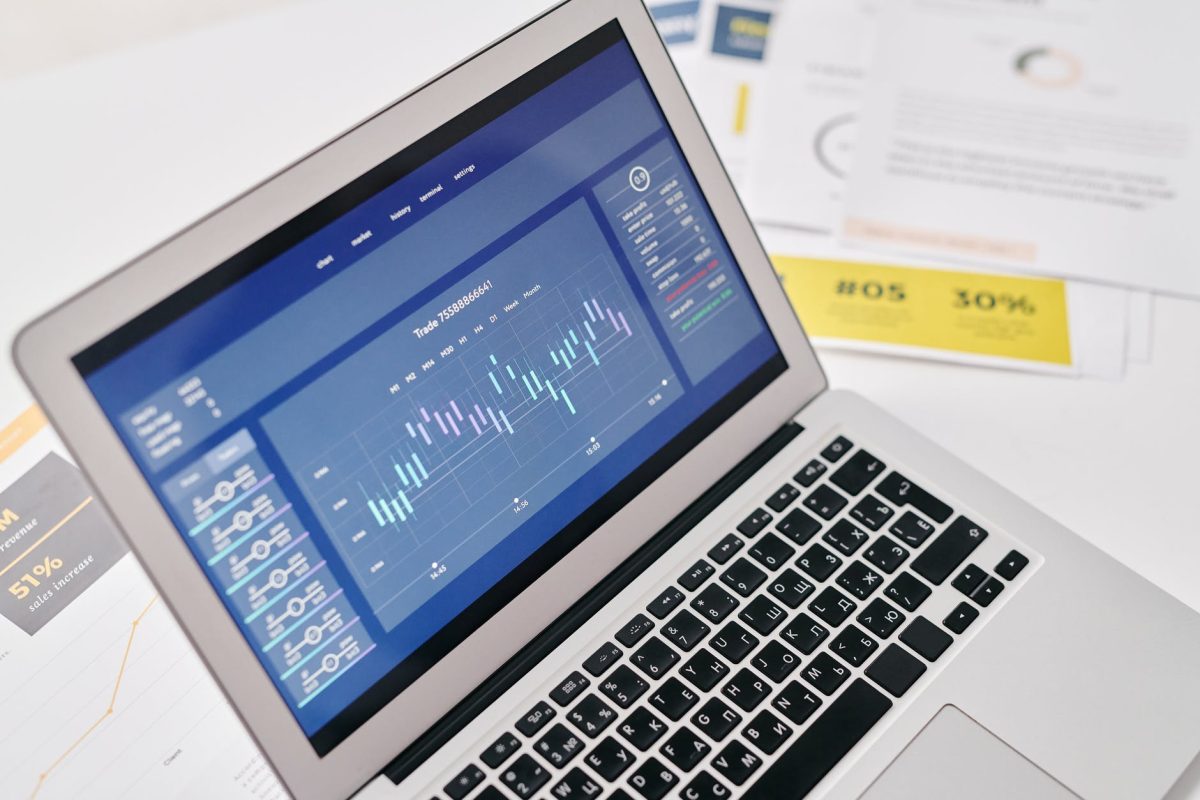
(460, 446)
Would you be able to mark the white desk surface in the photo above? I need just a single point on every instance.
(102, 159)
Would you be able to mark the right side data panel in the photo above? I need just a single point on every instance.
(667, 233)
(436, 441)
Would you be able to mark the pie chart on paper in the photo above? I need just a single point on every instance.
(1049, 67)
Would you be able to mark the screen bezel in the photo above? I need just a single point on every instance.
(44, 351)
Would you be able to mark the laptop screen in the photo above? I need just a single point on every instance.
(379, 423)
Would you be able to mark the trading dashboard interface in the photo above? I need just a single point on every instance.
(379, 423)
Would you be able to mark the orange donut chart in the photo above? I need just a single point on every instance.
(1049, 67)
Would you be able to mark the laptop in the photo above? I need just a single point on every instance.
(480, 456)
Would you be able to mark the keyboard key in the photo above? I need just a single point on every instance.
(685, 749)
(880, 618)
(947, 551)
(860, 580)
(609, 758)
(988, 592)
(652, 780)
(775, 661)
(767, 731)
(737, 763)
(818, 562)
(772, 552)
(705, 787)
(733, 642)
(804, 633)
(790, 588)
(685, 630)
(726, 548)
(536, 718)
(591, 715)
(525, 776)
(853, 646)
(704, 670)
(665, 603)
(1011, 566)
(604, 657)
(825, 501)
(464, 782)
(846, 537)
(634, 630)
(623, 686)
(784, 496)
(576, 784)
(825, 674)
(715, 719)
(714, 603)
(743, 577)
(796, 702)
(654, 657)
(559, 745)
(969, 579)
(832, 607)
(751, 525)
(857, 473)
(907, 592)
(798, 526)
(802, 765)
(961, 617)
(642, 728)
(901, 491)
(886, 554)
(500, 750)
(570, 688)
(762, 615)
(746, 689)
(895, 670)
(808, 476)
(619, 794)
(673, 699)
(836, 449)
(490, 793)
(911, 529)
(696, 575)
(926, 639)
(872, 512)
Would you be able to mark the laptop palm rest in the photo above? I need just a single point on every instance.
(954, 756)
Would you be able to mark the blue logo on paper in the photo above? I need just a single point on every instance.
(677, 22)
(741, 32)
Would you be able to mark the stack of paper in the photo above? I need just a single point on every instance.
(989, 183)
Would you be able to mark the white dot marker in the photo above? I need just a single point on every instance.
(435, 565)
(664, 381)
(593, 438)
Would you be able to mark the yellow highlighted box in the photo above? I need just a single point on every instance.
(21, 430)
(965, 312)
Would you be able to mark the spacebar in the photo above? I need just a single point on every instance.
(823, 745)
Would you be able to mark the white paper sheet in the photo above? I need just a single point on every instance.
(1055, 137)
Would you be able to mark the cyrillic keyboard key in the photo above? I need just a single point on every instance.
(945, 553)
(804, 633)
(860, 580)
(642, 728)
(832, 607)
(743, 577)
(901, 491)
(704, 670)
(831, 736)
(767, 731)
(685, 630)
(654, 658)
(790, 588)
(736, 762)
(911, 529)
(907, 592)
(524, 776)
(825, 501)
(609, 759)
(1011, 566)
(576, 784)
(825, 673)
(652, 779)
(880, 618)
(763, 615)
(714, 603)
(818, 562)
(733, 642)
(772, 552)
(853, 646)
(715, 719)
(591, 715)
(846, 537)
(895, 670)
(559, 745)
(705, 787)
(872, 512)
(685, 749)
(857, 473)
(673, 699)
(775, 661)
(751, 525)
(886, 554)
(746, 689)
(623, 686)
(926, 639)
(796, 702)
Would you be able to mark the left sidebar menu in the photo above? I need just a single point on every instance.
(258, 555)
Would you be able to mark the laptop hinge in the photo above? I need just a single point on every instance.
(573, 618)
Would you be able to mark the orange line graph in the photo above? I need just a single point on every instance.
(108, 712)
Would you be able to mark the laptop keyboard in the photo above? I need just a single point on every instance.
(767, 660)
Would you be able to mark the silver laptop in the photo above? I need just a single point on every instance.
(480, 455)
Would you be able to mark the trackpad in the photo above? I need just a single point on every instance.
(954, 756)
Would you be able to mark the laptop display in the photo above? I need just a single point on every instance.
(379, 423)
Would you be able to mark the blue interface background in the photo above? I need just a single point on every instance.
(349, 486)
